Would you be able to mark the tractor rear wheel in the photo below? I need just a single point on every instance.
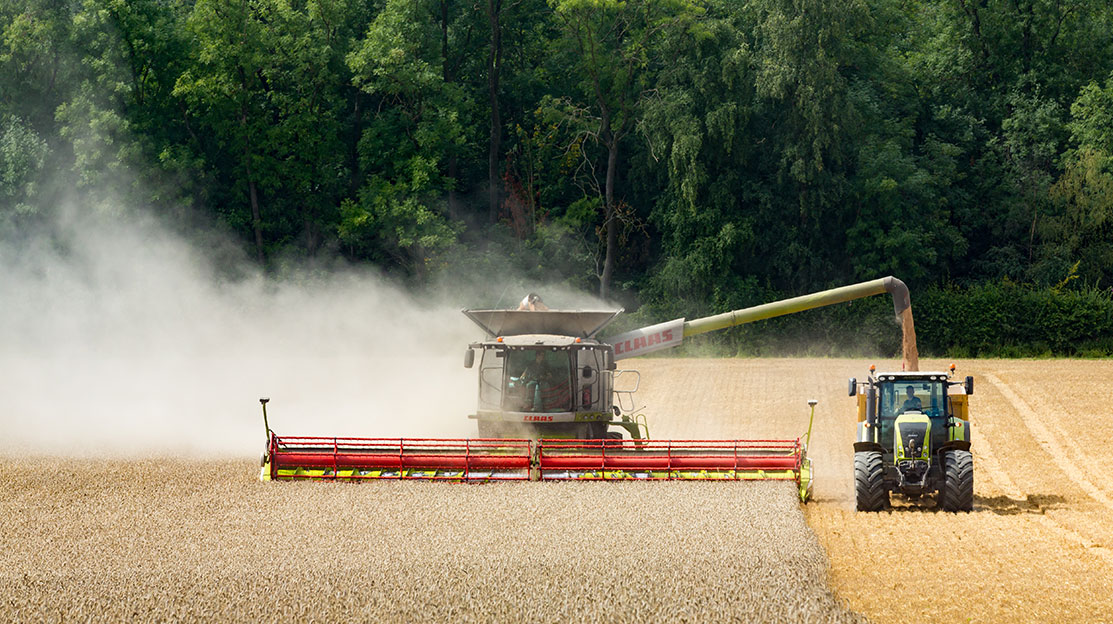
(957, 493)
(869, 481)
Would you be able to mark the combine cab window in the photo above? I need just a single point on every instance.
(539, 380)
(491, 384)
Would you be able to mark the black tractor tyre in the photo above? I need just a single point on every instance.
(957, 492)
(869, 481)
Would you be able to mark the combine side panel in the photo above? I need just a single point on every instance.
(399, 458)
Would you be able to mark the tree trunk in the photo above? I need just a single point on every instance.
(256, 218)
(256, 215)
(353, 147)
(446, 75)
(453, 175)
(494, 65)
(610, 218)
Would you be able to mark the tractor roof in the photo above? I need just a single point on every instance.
(575, 323)
(913, 375)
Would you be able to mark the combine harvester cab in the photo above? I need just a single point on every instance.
(549, 408)
(545, 374)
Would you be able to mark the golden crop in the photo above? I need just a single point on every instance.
(183, 540)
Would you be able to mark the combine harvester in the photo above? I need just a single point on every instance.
(549, 408)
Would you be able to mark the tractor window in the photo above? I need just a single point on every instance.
(538, 380)
(900, 396)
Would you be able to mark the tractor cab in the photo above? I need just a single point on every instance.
(910, 399)
(911, 425)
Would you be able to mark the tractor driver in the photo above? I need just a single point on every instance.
(912, 403)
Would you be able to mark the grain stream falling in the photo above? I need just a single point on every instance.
(171, 539)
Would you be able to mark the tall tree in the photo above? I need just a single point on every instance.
(227, 91)
(1078, 239)
(265, 95)
(416, 126)
(612, 45)
(494, 10)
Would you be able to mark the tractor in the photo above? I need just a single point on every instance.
(913, 439)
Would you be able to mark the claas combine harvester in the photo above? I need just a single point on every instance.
(549, 408)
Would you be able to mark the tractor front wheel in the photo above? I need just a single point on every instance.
(957, 493)
(869, 481)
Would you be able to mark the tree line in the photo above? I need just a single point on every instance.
(695, 155)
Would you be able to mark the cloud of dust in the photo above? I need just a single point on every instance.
(118, 336)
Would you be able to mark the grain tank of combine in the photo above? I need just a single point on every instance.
(545, 374)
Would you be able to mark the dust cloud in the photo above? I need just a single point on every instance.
(119, 337)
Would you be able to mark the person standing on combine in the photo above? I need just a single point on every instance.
(533, 303)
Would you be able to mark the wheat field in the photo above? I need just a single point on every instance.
(1039, 543)
(162, 538)
(166, 539)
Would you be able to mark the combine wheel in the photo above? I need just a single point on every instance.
(869, 481)
(957, 493)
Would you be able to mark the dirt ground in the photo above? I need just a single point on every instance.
(1039, 544)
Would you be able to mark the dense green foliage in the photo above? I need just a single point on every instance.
(678, 156)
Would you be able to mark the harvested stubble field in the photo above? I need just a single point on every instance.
(191, 539)
(1039, 544)
(187, 540)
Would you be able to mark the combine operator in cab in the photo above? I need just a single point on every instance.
(913, 439)
(543, 385)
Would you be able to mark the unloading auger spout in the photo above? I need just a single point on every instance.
(672, 333)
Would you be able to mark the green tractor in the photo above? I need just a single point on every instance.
(913, 439)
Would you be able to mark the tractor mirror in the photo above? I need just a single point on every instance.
(852, 388)
(969, 385)
(469, 358)
(588, 372)
(608, 360)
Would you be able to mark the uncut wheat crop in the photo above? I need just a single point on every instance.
(184, 540)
